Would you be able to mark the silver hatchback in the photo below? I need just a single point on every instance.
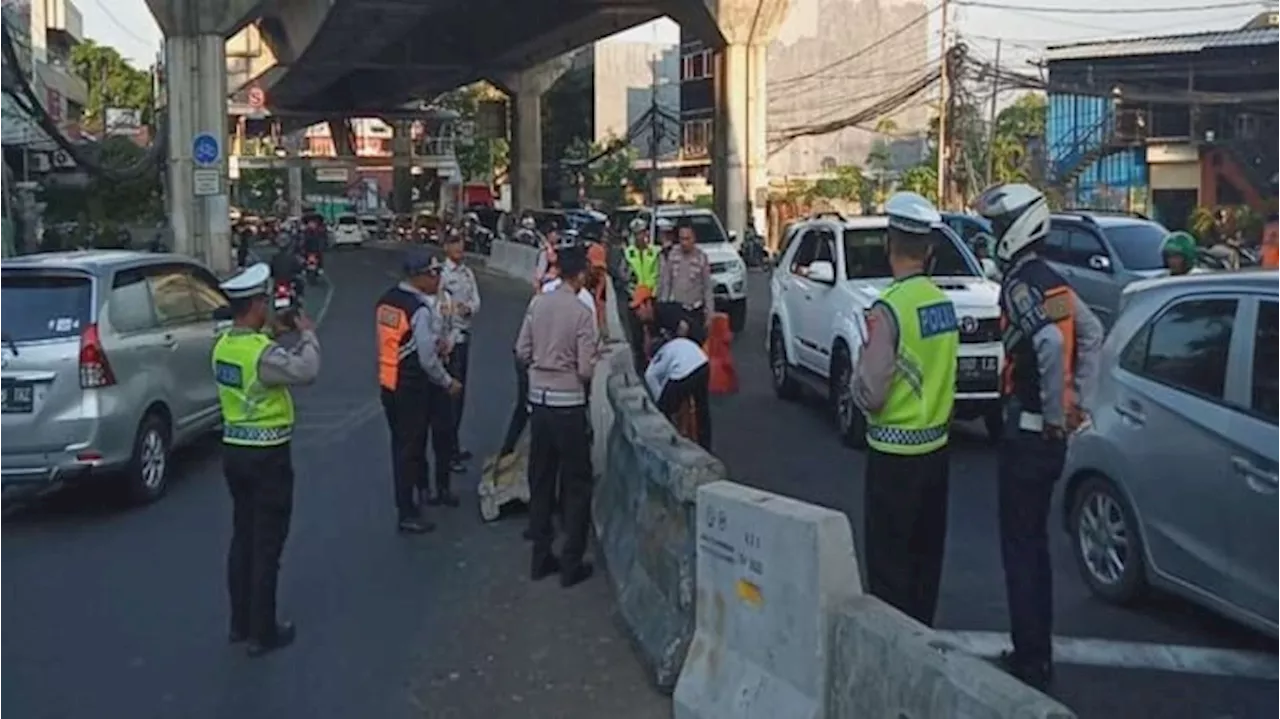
(105, 366)
(1174, 483)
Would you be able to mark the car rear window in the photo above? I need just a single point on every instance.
(1137, 245)
(43, 307)
(865, 258)
(346, 221)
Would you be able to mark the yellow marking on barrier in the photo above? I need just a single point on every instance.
(750, 593)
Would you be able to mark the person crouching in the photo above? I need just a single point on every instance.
(679, 375)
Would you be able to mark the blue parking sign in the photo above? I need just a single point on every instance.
(205, 149)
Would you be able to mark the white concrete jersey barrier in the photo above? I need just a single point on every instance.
(784, 630)
(513, 259)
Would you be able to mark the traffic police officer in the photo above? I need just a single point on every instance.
(558, 342)
(253, 376)
(1051, 342)
(905, 382)
(417, 390)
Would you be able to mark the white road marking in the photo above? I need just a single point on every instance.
(1132, 655)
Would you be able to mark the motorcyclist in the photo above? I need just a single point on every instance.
(478, 236)
(314, 238)
(528, 232)
(1052, 342)
(243, 240)
(285, 266)
(1180, 254)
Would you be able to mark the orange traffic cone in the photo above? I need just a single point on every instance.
(724, 375)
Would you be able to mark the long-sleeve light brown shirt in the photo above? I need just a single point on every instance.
(559, 342)
(685, 277)
(876, 363)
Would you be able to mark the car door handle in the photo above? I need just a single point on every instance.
(1258, 479)
(1132, 411)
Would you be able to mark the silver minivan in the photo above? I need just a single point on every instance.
(105, 366)
(1173, 485)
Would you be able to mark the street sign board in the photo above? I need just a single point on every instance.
(207, 182)
(332, 174)
(205, 149)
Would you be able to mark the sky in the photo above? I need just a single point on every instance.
(128, 26)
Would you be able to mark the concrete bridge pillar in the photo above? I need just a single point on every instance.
(402, 166)
(196, 104)
(740, 174)
(526, 89)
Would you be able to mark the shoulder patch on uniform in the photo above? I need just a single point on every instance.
(937, 319)
(390, 316)
(1057, 304)
(226, 373)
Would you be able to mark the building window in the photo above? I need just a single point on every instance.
(696, 65)
(697, 138)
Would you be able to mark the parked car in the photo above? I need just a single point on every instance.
(1099, 253)
(371, 227)
(105, 366)
(833, 270)
(347, 231)
(728, 270)
(1173, 484)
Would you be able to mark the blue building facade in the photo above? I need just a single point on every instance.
(1079, 134)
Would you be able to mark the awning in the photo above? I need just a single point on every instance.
(63, 82)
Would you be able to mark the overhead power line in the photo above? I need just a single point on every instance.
(860, 51)
(1075, 10)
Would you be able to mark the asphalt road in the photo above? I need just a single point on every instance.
(116, 612)
(791, 448)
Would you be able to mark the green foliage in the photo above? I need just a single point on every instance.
(259, 188)
(112, 82)
(921, 179)
(128, 201)
(483, 158)
(608, 177)
(846, 185)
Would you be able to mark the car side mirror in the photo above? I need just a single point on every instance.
(990, 269)
(1102, 263)
(821, 271)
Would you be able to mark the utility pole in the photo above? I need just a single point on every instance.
(944, 104)
(654, 129)
(991, 122)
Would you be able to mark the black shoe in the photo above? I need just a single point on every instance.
(415, 525)
(463, 455)
(1037, 675)
(430, 499)
(457, 467)
(577, 575)
(544, 568)
(448, 499)
(284, 636)
(235, 636)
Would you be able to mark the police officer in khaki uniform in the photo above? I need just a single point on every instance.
(905, 381)
(559, 344)
(253, 375)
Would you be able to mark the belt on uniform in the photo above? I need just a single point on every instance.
(1030, 421)
(557, 398)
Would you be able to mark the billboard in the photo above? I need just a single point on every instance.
(123, 121)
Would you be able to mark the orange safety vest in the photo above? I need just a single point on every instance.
(1270, 246)
(724, 375)
(398, 366)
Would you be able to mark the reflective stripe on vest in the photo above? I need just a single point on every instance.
(252, 414)
(916, 415)
(644, 266)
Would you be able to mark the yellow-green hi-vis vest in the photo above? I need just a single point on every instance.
(252, 415)
(916, 416)
(644, 265)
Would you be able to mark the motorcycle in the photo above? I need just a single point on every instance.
(480, 240)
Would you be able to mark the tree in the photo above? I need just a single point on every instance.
(113, 201)
(483, 155)
(608, 177)
(921, 179)
(112, 82)
(1017, 123)
(846, 185)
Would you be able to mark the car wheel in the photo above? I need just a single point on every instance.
(737, 316)
(994, 420)
(784, 386)
(1106, 542)
(147, 476)
(850, 422)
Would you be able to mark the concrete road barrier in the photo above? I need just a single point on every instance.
(513, 259)
(783, 628)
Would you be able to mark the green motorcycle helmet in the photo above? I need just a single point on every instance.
(1183, 245)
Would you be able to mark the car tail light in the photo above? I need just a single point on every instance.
(95, 371)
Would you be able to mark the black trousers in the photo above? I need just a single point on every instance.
(694, 386)
(520, 412)
(635, 332)
(412, 417)
(457, 367)
(905, 520)
(560, 454)
(1028, 467)
(261, 483)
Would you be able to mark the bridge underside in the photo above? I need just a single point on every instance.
(367, 56)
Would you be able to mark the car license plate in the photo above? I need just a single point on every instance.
(18, 398)
(977, 367)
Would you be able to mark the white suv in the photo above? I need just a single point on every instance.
(831, 272)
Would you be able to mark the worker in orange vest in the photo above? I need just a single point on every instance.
(1270, 243)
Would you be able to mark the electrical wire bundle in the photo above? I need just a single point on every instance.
(18, 88)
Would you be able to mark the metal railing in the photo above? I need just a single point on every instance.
(1123, 128)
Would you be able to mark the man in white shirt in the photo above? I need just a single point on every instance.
(680, 372)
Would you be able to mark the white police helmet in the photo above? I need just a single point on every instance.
(665, 224)
(910, 213)
(1019, 216)
(639, 224)
(527, 222)
(250, 282)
